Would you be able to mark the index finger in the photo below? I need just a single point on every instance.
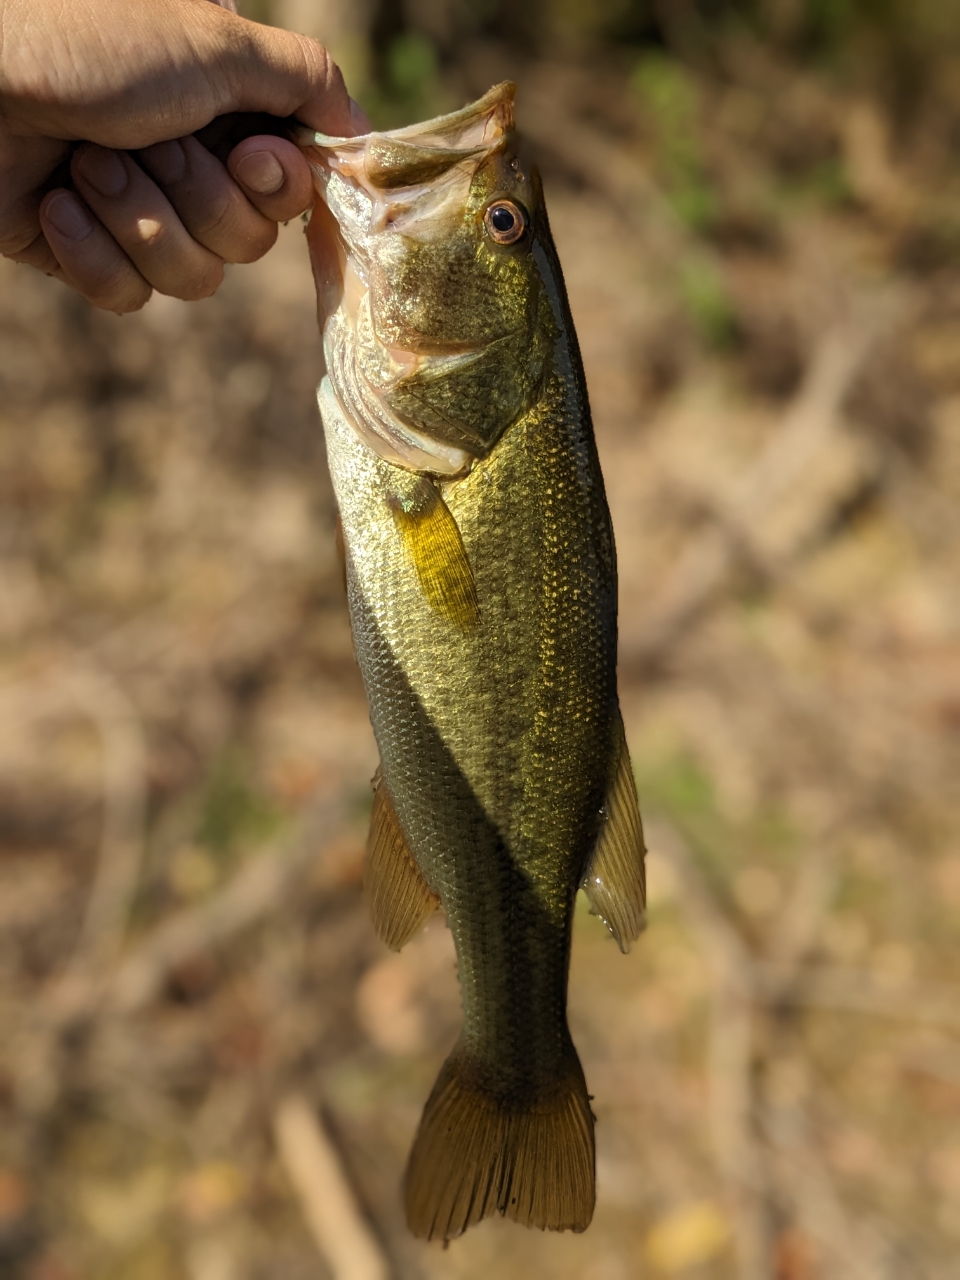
(26, 165)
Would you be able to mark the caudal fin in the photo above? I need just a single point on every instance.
(474, 1156)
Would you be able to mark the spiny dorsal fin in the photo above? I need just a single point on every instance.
(399, 897)
(476, 1154)
(432, 540)
(614, 881)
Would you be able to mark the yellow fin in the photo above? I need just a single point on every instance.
(615, 882)
(399, 897)
(475, 1155)
(433, 542)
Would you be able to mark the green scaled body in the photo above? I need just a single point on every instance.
(482, 588)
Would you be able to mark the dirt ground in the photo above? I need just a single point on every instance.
(767, 293)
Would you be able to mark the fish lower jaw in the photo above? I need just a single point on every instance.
(405, 447)
(364, 408)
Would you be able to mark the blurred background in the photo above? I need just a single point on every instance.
(205, 1053)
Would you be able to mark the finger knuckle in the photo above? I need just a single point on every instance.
(135, 303)
(216, 218)
(17, 235)
(122, 301)
(115, 287)
(254, 245)
(319, 65)
(200, 284)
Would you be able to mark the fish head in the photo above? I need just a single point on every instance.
(443, 328)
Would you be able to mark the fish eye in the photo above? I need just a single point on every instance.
(505, 221)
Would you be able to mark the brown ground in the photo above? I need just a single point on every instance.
(776, 387)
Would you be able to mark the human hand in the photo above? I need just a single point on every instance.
(141, 203)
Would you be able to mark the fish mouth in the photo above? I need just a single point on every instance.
(407, 179)
(412, 181)
(472, 130)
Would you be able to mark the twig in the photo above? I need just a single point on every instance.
(811, 419)
(739, 982)
(798, 928)
(806, 429)
(255, 891)
(856, 991)
(729, 1057)
(602, 163)
(856, 1247)
(924, 508)
(103, 701)
(124, 805)
(326, 1197)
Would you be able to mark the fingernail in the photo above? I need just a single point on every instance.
(167, 161)
(261, 171)
(359, 118)
(103, 169)
(69, 216)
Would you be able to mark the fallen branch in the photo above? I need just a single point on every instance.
(857, 991)
(739, 1155)
(328, 1202)
(253, 892)
(603, 163)
(124, 815)
(806, 430)
(855, 1248)
(85, 993)
(78, 681)
(799, 924)
(744, 1155)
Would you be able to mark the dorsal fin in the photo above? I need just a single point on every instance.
(432, 540)
(615, 882)
(399, 897)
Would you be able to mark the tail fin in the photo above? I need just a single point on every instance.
(475, 1155)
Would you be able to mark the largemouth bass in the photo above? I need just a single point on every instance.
(481, 580)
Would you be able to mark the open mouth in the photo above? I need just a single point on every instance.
(411, 181)
(408, 179)
(417, 153)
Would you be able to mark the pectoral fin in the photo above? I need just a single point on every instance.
(614, 882)
(433, 542)
(399, 897)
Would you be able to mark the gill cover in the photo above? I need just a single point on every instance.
(442, 331)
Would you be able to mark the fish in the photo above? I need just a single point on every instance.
(482, 590)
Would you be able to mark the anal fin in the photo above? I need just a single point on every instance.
(433, 542)
(615, 882)
(399, 897)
